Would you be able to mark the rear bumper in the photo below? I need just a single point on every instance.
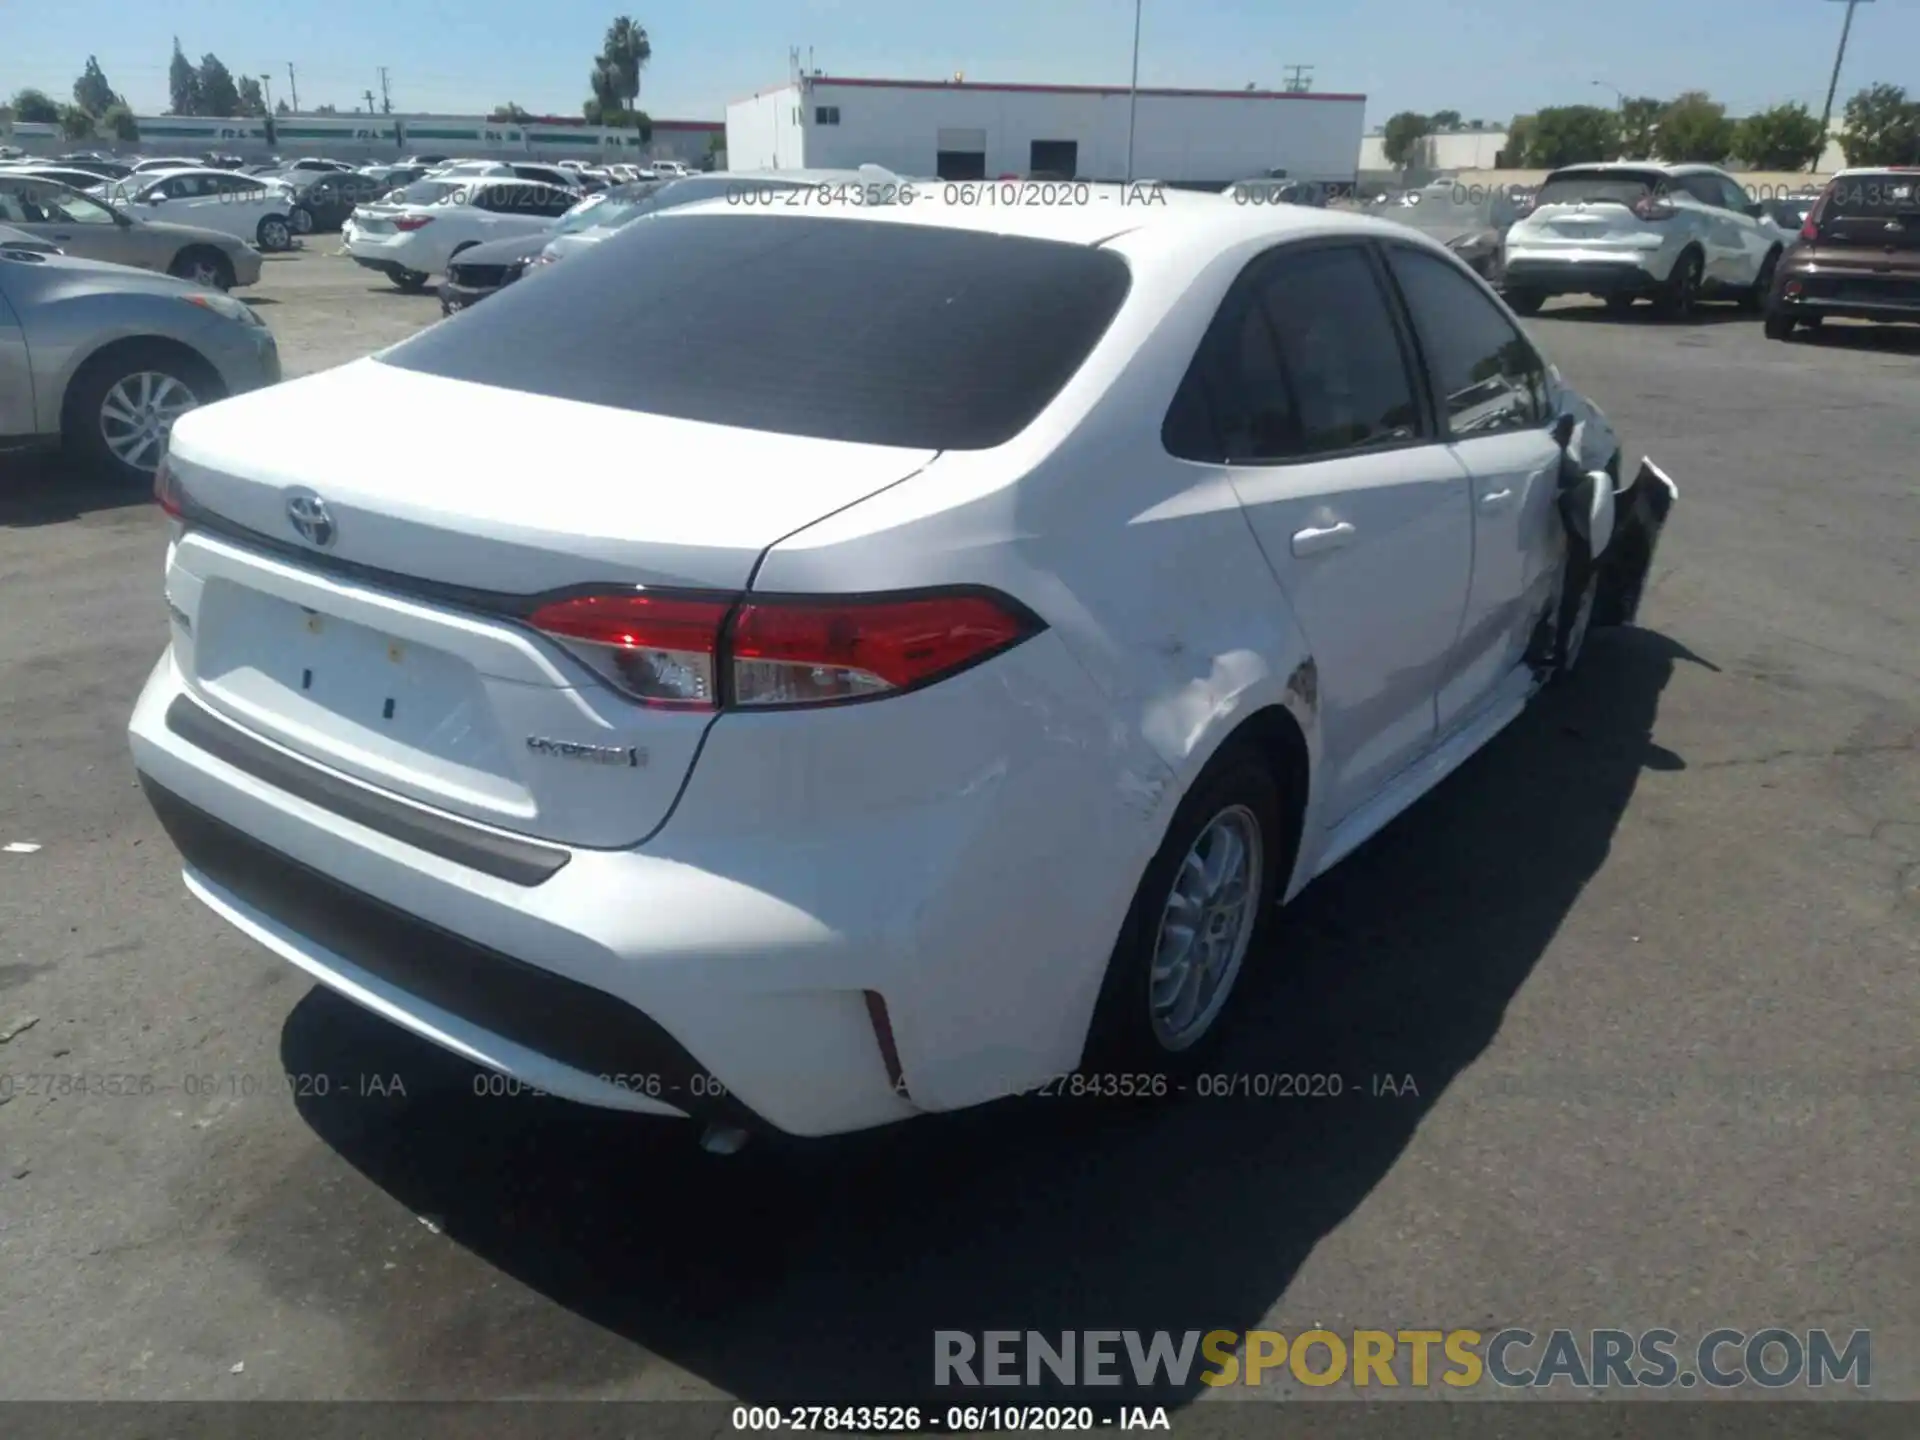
(1599, 276)
(1847, 297)
(730, 968)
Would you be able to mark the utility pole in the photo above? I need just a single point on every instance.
(293, 86)
(369, 98)
(386, 100)
(1133, 90)
(1298, 79)
(266, 89)
(1833, 85)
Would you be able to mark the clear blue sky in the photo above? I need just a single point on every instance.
(1485, 58)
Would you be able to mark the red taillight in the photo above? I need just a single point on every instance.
(684, 653)
(806, 652)
(659, 649)
(412, 222)
(1809, 231)
(168, 492)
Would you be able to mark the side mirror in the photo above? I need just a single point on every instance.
(1756, 210)
(151, 199)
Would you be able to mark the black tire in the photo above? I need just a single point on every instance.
(1618, 304)
(1779, 327)
(1524, 302)
(203, 265)
(411, 281)
(1123, 1038)
(1680, 296)
(1755, 300)
(80, 421)
(275, 234)
(300, 219)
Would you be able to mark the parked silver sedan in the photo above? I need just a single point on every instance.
(77, 225)
(105, 358)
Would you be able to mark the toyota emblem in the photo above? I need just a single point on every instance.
(308, 514)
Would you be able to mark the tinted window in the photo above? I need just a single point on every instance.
(1485, 374)
(1732, 196)
(1878, 196)
(842, 329)
(1303, 361)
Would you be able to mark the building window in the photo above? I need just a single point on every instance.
(826, 114)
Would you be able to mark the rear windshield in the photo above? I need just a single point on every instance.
(1599, 187)
(426, 192)
(839, 329)
(1883, 196)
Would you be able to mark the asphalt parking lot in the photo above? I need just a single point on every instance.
(1646, 973)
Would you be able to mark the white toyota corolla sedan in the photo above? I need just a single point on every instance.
(825, 664)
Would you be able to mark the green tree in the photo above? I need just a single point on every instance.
(1519, 142)
(253, 100)
(1571, 135)
(1640, 127)
(1883, 127)
(117, 123)
(75, 123)
(281, 107)
(35, 107)
(510, 114)
(1787, 137)
(92, 93)
(1694, 129)
(615, 80)
(326, 109)
(1444, 119)
(1401, 136)
(183, 83)
(218, 94)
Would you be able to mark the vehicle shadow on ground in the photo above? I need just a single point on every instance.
(45, 487)
(1864, 337)
(1709, 313)
(817, 1272)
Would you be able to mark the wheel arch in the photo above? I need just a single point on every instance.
(111, 350)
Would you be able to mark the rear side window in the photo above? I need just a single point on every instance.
(1303, 362)
(1486, 376)
(838, 329)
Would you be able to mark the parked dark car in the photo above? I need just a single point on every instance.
(323, 201)
(479, 270)
(1858, 256)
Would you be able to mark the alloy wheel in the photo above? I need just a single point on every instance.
(137, 415)
(1206, 926)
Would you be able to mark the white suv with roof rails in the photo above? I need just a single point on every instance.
(1673, 234)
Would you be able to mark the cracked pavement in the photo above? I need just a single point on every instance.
(1653, 960)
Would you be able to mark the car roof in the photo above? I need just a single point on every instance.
(1850, 173)
(1206, 220)
(1634, 165)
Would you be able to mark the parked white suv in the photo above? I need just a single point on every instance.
(1673, 234)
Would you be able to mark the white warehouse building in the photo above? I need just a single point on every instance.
(965, 130)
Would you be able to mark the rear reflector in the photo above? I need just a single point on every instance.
(705, 652)
(168, 492)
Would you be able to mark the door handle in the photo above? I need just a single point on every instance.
(1315, 541)
(1494, 499)
(63, 237)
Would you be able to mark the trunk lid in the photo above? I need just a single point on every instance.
(397, 653)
